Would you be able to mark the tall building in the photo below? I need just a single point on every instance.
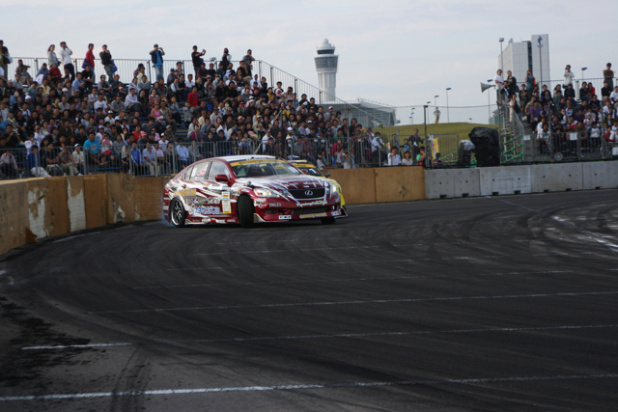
(533, 54)
(326, 66)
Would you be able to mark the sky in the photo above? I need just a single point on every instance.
(398, 52)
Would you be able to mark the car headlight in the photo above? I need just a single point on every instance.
(331, 187)
(263, 192)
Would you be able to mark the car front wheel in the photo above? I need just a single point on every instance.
(245, 211)
(177, 213)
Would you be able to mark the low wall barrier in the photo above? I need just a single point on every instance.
(37, 208)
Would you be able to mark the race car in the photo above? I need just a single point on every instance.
(312, 170)
(248, 189)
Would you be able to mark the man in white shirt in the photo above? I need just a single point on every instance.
(393, 157)
(183, 154)
(65, 57)
(150, 159)
(499, 80)
(131, 102)
(100, 103)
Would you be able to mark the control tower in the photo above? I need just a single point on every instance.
(326, 66)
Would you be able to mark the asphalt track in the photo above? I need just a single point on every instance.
(486, 304)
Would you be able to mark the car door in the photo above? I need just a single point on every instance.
(219, 191)
(198, 198)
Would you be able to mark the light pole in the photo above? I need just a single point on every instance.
(540, 41)
(435, 101)
(412, 116)
(501, 39)
(583, 70)
(448, 118)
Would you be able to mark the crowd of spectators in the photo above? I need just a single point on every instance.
(563, 119)
(109, 123)
(63, 120)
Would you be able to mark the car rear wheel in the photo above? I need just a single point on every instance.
(177, 213)
(328, 220)
(245, 211)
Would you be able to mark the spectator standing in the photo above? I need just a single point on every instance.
(156, 55)
(89, 60)
(226, 59)
(530, 82)
(196, 58)
(51, 56)
(437, 114)
(107, 62)
(5, 58)
(568, 75)
(249, 59)
(65, 55)
(608, 75)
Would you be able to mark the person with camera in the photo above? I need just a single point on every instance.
(197, 59)
(156, 55)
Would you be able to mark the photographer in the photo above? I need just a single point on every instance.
(156, 55)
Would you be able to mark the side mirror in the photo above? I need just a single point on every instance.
(222, 179)
(327, 175)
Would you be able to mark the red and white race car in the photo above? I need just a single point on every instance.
(246, 190)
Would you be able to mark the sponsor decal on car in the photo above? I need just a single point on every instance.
(205, 210)
(285, 217)
(186, 192)
(226, 205)
(336, 213)
(314, 215)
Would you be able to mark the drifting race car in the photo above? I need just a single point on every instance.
(248, 189)
(312, 170)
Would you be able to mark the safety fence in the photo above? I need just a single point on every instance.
(165, 158)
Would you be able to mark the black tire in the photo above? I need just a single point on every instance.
(245, 211)
(328, 220)
(177, 213)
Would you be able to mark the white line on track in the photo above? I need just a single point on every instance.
(202, 285)
(242, 252)
(344, 385)
(347, 262)
(361, 302)
(325, 336)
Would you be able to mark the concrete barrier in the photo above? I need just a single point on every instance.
(120, 199)
(95, 200)
(59, 216)
(76, 205)
(38, 209)
(556, 177)
(148, 197)
(358, 185)
(452, 183)
(399, 184)
(13, 214)
(600, 175)
(510, 180)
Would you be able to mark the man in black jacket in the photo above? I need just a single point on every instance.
(108, 63)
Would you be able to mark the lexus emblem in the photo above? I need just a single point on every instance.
(308, 193)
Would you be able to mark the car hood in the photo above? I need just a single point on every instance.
(284, 182)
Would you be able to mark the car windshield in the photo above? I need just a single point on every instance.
(261, 168)
(311, 171)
